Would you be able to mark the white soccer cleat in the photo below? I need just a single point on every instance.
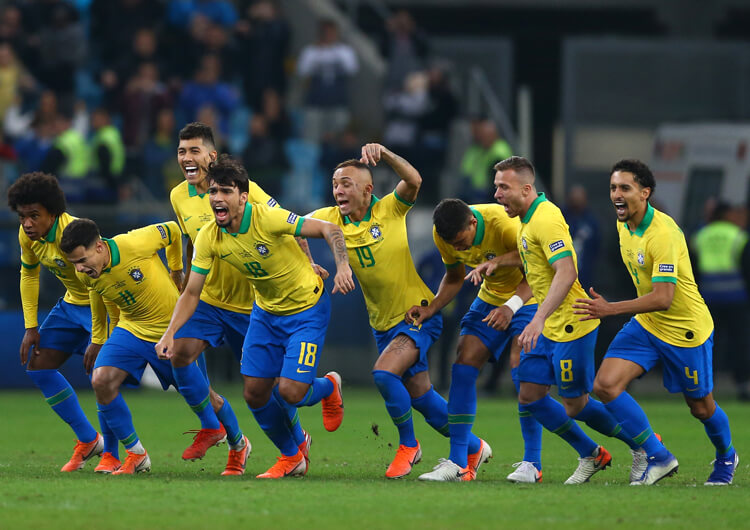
(447, 471)
(657, 470)
(640, 463)
(590, 465)
(525, 472)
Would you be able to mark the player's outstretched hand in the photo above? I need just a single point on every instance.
(596, 307)
(499, 318)
(484, 269)
(30, 338)
(530, 334)
(178, 277)
(417, 314)
(320, 271)
(371, 154)
(89, 357)
(343, 282)
(165, 347)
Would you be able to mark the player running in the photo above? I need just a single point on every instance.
(376, 240)
(671, 324)
(291, 313)
(470, 235)
(557, 349)
(40, 204)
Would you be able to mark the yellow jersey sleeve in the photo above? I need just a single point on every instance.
(665, 256)
(256, 194)
(150, 239)
(29, 281)
(278, 221)
(203, 250)
(554, 238)
(447, 252)
(99, 331)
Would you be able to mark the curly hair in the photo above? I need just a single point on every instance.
(227, 171)
(37, 187)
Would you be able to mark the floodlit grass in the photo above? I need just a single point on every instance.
(345, 487)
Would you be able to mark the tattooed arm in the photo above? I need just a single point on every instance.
(411, 180)
(333, 235)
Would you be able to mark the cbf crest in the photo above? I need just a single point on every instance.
(524, 244)
(262, 249)
(60, 263)
(491, 255)
(376, 232)
(640, 257)
(136, 274)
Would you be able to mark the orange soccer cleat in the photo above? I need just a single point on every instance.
(333, 405)
(134, 463)
(405, 459)
(83, 452)
(287, 466)
(238, 459)
(480, 457)
(202, 441)
(108, 464)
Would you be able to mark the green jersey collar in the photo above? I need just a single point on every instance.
(192, 192)
(645, 222)
(114, 253)
(52, 232)
(539, 200)
(367, 216)
(480, 228)
(245, 225)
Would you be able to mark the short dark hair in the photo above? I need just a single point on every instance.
(641, 173)
(227, 171)
(450, 217)
(37, 187)
(516, 163)
(81, 232)
(353, 162)
(198, 130)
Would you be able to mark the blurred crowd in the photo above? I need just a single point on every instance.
(95, 90)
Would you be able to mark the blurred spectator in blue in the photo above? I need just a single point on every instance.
(32, 132)
(326, 67)
(206, 89)
(335, 149)
(114, 24)
(208, 115)
(160, 171)
(263, 35)
(14, 79)
(182, 13)
(584, 229)
(487, 149)
(405, 48)
(207, 37)
(144, 97)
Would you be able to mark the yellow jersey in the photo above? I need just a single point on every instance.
(225, 286)
(136, 281)
(496, 235)
(267, 254)
(657, 252)
(48, 253)
(544, 238)
(379, 254)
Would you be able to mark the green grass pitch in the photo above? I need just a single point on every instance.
(345, 487)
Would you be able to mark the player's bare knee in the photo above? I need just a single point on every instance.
(573, 406)
(607, 388)
(293, 391)
(701, 409)
(529, 394)
(105, 386)
(216, 400)
(254, 397)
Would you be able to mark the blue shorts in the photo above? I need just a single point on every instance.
(127, 352)
(494, 340)
(67, 328)
(423, 337)
(216, 326)
(686, 370)
(286, 345)
(569, 365)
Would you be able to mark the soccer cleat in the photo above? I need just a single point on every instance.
(304, 447)
(333, 405)
(657, 470)
(83, 452)
(480, 457)
(237, 459)
(202, 441)
(723, 472)
(525, 472)
(589, 465)
(405, 459)
(448, 471)
(134, 463)
(287, 466)
(108, 464)
(640, 462)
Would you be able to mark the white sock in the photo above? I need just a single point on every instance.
(239, 445)
(138, 448)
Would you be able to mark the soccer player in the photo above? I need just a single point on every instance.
(470, 235)
(40, 204)
(291, 313)
(671, 324)
(127, 271)
(376, 239)
(557, 348)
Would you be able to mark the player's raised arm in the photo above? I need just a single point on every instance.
(408, 188)
(335, 238)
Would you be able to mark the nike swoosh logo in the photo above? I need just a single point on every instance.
(303, 371)
(225, 255)
(186, 219)
(565, 387)
(692, 389)
(413, 329)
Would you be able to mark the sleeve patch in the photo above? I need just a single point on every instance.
(272, 202)
(162, 231)
(557, 245)
(666, 268)
(292, 218)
